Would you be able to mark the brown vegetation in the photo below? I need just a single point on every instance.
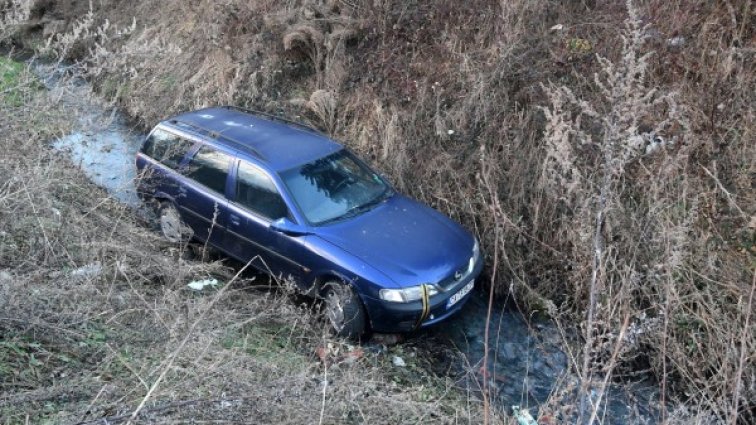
(97, 323)
(623, 203)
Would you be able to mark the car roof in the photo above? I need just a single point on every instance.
(279, 143)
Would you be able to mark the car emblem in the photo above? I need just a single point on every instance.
(458, 275)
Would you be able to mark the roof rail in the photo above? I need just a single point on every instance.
(217, 135)
(273, 117)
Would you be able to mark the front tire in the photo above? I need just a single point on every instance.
(172, 226)
(344, 311)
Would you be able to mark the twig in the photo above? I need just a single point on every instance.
(175, 353)
(609, 369)
(486, 406)
(743, 351)
(325, 390)
(109, 420)
(726, 192)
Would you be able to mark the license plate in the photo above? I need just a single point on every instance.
(461, 294)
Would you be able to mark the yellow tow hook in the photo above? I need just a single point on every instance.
(426, 306)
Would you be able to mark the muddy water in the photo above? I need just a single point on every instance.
(102, 143)
(526, 364)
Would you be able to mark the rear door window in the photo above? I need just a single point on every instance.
(209, 168)
(256, 192)
(166, 148)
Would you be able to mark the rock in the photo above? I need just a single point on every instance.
(398, 361)
(5, 277)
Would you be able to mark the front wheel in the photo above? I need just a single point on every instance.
(344, 310)
(172, 226)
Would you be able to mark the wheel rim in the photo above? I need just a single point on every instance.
(335, 309)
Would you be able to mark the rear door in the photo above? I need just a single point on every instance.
(201, 195)
(255, 203)
(162, 154)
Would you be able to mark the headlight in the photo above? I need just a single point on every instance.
(406, 295)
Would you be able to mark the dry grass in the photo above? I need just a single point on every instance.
(96, 321)
(447, 99)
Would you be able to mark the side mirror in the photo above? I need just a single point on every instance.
(288, 227)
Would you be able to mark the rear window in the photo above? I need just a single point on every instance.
(166, 148)
(210, 168)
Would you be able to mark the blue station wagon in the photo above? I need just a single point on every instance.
(300, 206)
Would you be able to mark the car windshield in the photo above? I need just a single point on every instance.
(334, 187)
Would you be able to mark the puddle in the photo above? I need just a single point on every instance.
(102, 143)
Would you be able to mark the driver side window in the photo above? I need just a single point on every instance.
(255, 191)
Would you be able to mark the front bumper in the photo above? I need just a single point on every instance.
(390, 317)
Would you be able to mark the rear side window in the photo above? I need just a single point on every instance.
(210, 168)
(166, 148)
(255, 191)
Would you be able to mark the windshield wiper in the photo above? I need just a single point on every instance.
(359, 209)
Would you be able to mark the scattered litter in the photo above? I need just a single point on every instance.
(322, 353)
(353, 355)
(88, 271)
(678, 41)
(655, 144)
(338, 353)
(199, 285)
(557, 27)
(523, 416)
(398, 361)
(450, 132)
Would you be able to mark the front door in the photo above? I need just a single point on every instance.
(255, 204)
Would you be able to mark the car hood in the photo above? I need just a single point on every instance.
(407, 241)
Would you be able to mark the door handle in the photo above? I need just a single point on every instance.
(234, 220)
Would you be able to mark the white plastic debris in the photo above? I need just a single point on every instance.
(398, 361)
(90, 270)
(557, 27)
(523, 416)
(199, 285)
(450, 132)
(678, 41)
(656, 143)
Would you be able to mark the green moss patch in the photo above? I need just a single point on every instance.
(15, 82)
